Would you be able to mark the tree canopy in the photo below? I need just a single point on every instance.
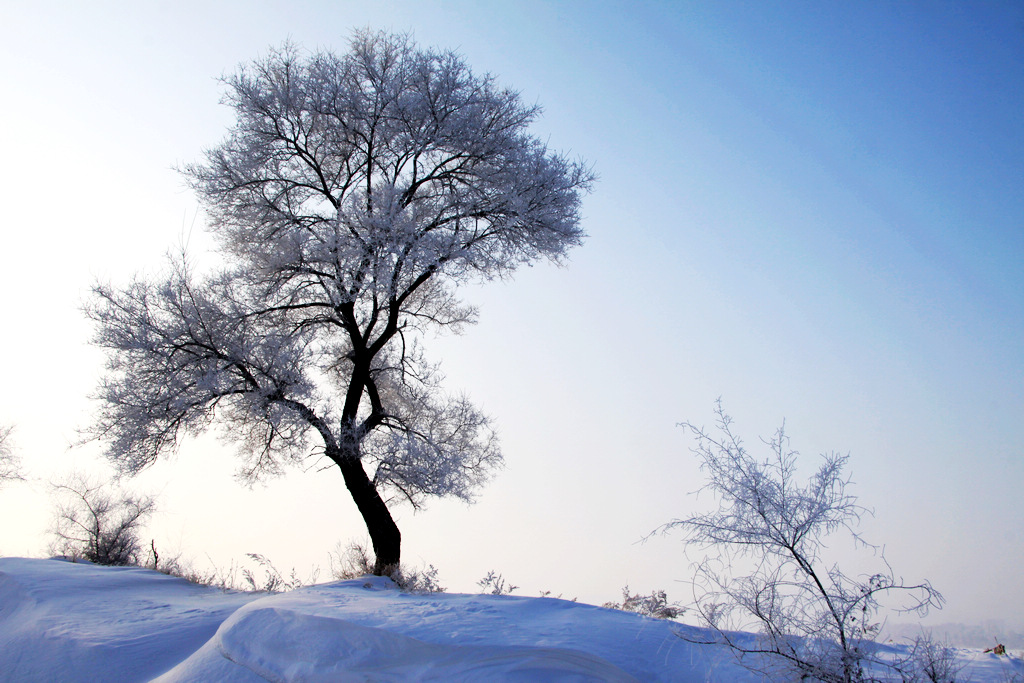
(352, 195)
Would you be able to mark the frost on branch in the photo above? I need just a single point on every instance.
(352, 196)
(765, 572)
(186, 352)
(655, 605)
(10, 463)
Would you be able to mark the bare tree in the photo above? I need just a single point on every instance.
(10, 463)
(350, 198)
(813, 621)
(97, 523)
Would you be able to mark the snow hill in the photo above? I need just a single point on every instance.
(63, 621)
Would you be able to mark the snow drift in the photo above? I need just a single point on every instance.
(62, 621)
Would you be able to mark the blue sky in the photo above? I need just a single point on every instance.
(813, 210)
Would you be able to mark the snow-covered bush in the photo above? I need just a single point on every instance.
(654, 605)
(98, 523)
(814, 622)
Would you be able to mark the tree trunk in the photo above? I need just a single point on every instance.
(384, 533)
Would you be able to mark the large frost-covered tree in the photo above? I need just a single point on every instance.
(351, 196)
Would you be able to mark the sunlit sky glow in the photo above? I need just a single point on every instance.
(813, 210)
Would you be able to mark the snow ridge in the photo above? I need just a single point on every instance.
(76, 622)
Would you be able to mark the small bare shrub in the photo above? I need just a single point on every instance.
(350, 562)
(273, 581)
(354, 561)
(185, 569)
(547, 594)
(655, 605)
(214, 578)
(420, 581)
(494, 584)
(97, 523)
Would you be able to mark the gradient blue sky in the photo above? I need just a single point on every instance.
(814, 210)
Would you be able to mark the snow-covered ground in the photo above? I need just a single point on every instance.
(63, 621)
